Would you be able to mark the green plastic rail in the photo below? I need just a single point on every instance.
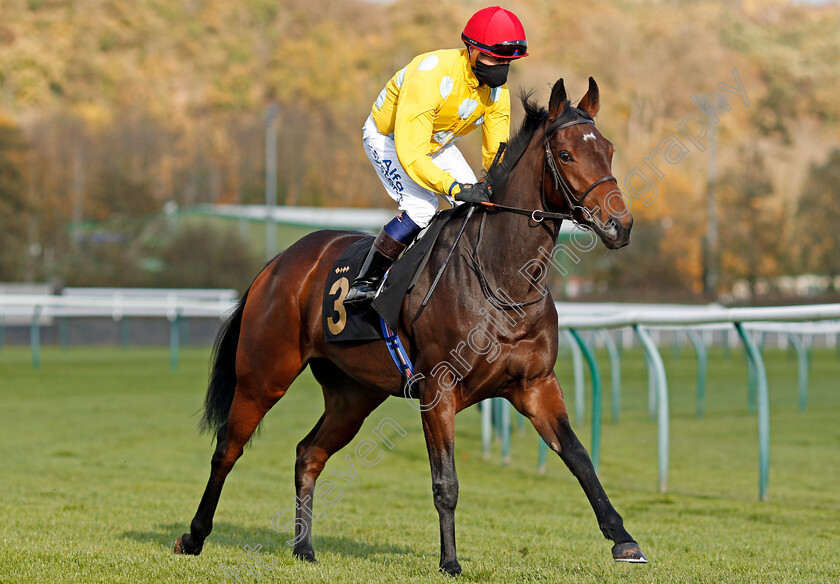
(727, 350)
(125, 333)
(752, 380)
(651, 383)
(702, 367)
(174, 342)
(577, 362)
(763, 403)
(35, 338)
(802, 355)
(63, 333)
(495, 414)
(615, 373)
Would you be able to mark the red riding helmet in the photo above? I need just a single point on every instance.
(497, 32)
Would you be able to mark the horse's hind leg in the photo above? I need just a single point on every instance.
(544, 406)
(246, 412)
(346, 406)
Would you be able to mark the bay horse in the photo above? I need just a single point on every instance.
(557, 167)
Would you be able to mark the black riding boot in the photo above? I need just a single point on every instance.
(383, 252)
(367, 282)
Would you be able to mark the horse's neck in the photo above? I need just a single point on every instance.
(513, 245)
(524, 181)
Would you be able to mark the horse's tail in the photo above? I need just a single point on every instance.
(222, 383)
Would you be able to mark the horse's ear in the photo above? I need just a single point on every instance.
(591, 102)
(557, 99)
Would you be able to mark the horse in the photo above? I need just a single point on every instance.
(557, 167)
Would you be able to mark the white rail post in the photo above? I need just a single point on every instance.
(658, 370)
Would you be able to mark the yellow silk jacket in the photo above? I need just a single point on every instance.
(432, 102)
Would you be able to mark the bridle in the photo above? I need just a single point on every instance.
(562, 185)
(538, 215)
(575, 203)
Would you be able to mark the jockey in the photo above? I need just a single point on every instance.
(410, 134)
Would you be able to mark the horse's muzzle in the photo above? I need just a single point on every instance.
(615, 233)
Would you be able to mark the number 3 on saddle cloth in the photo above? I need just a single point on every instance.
(377, 321)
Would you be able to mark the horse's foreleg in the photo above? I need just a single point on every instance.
(545, 407)
(439, 429)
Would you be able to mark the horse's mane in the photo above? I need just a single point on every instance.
(535, 115)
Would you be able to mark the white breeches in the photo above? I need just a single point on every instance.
(420, 203)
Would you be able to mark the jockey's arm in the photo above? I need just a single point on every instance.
(413, 129)
(496, 128)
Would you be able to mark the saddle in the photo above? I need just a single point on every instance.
(349, 323)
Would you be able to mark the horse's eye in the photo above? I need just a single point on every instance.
(565, 156)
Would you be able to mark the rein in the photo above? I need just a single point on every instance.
(499, 302)
(536, 214)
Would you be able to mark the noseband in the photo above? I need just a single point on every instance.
(560, 183)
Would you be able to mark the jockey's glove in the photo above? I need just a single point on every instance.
(471, 193)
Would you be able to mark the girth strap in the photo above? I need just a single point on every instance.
(396, 349)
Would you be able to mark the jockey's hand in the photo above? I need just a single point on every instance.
(472, 193)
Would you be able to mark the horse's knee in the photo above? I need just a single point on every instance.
(445, 493)
(301, 464)
(307, 467)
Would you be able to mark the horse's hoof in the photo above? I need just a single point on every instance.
(185, 545)
(307, 555)
(452, 568)
(628, 552)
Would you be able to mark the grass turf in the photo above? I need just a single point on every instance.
(101, 469)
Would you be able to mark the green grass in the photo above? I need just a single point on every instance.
(101, 469)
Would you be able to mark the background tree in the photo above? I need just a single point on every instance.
(818, 218)
(13, 207)
(166, 102)
(648, 268)
(752, 223)
(199, 256)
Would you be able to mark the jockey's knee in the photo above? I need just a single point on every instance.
(402, 228)
(421, 212)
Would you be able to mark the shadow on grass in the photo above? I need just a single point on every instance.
(233, 536)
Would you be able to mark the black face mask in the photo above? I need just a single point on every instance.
(491, 75)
